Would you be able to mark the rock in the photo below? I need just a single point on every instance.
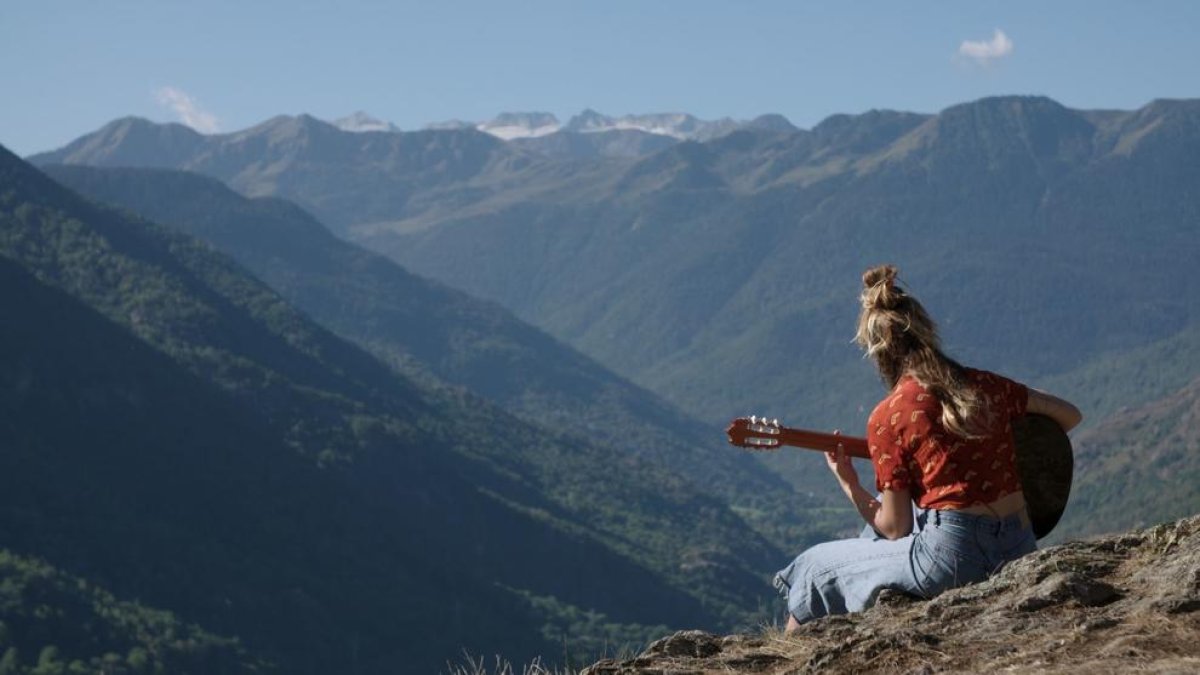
(1121, 603)
(686, 643)
(892, 598)
(1065, 587)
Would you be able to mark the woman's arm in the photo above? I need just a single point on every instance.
(1057, 409)
(892, 517)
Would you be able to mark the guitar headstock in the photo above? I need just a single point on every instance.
(754, 433)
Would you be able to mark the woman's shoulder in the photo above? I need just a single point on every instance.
(910, 390)
(980, 375)
(989, 379)
(908, 395)
(1011, 395)
(905, 413)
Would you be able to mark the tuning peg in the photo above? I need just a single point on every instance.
(754, 419)
(775, 422)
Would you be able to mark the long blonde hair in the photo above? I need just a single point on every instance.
(896, 331)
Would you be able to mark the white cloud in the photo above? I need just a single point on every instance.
(986, 51)
(189, 112)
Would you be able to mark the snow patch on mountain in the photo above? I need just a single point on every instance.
(521, 125)
(681, 126)
(677, 125)
(361, 121)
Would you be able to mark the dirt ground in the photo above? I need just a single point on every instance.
(1125, 603)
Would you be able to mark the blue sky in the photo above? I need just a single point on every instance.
(66, 68)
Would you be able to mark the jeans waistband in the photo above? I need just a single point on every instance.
(1010, 523)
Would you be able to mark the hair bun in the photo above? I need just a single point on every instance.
(879, 289)
(882, 274)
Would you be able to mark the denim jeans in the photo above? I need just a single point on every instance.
(947, 549)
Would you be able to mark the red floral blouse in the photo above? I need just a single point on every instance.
(912, 451)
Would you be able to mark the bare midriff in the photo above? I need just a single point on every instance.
(1013, 502)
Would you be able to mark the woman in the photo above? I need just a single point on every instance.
(942, 438)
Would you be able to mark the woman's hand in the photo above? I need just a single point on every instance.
(841, 465)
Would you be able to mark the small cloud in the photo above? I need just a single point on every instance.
(984, 52)
(189, 112)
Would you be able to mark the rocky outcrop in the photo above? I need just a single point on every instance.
(1128, 602)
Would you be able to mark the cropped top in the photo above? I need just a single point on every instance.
(911, 450)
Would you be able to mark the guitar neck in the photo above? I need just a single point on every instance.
(816, 440)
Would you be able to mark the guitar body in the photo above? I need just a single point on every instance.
(1045, 459)
(1046, 464)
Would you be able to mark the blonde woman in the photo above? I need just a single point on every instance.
(940, 440)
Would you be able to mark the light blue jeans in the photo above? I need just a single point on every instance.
(947, 549)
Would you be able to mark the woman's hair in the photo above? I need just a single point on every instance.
(895, 330)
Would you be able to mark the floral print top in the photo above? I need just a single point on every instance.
(911, 450)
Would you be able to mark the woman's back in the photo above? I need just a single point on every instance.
(912, 450)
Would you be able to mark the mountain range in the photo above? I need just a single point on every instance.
(571, 317)
(522, 125)
(589, 134)
(722, 274)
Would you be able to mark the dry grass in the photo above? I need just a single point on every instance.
(498, 665)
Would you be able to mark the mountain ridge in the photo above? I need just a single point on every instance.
(721, 275)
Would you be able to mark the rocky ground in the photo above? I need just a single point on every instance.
(1125, 603)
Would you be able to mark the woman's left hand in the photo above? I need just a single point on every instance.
(841, 466)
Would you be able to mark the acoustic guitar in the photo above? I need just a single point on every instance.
(1045, 461)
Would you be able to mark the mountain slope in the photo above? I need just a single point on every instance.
(1138, 466)
(136, 475)
(49, 620)
(447, 487)
(1129, 378)
(749, 250)
(422, 326)
(610, 143)
(722, 275)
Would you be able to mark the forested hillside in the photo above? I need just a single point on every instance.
(427, 329)
(57, 623)
(723, 274)
(1053, 244)
(1138, 467)
(189, 439)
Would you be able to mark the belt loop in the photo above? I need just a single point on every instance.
(937, 517)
